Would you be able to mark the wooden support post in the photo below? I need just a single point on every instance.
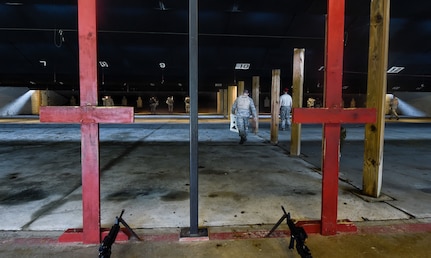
(220, 102)
(231, 97)
(297, 94)
(332, 115)
(275, 105)
(36, 100)
(226, 110)
(89, 116)
(376, 97)
(256, 96)
(241, 87)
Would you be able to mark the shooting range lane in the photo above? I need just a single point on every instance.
(145, 171)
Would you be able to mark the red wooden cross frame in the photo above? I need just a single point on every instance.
(89, 116)
(332, 116)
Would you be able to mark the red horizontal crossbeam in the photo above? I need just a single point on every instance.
(333, 115)
(87, 114)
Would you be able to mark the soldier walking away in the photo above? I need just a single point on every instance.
(243, 107)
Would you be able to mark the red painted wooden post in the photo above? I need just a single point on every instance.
(89, 116)
(332, 116)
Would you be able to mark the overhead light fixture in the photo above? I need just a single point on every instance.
(420, 87)
(242, 66)
(162, 65)
(395, 69)
(14, 3)
(103, 64)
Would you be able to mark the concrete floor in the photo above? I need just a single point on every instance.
(145, 170)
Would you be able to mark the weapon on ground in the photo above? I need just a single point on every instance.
(297, 234)
(105, 246)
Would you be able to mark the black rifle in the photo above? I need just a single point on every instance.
(297, 234)
(105, 246)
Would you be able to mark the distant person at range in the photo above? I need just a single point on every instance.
(170, 103)
(285, 108)
(154, 102)
(187, 104)
(243, 107)
(393, 105)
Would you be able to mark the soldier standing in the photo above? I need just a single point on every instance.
(187, 104)
(285, 108)
(170, 103)
(153, 104)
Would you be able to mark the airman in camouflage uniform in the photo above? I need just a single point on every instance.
(243, 107)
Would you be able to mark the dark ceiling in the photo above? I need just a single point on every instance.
(39, 49)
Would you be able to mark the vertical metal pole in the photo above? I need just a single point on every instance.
(193, 80)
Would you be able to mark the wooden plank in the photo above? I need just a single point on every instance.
(330, 167)
(90, 182)
(275, 105)
(241, 88)
(376, 97)
(334, 115)
(297, 95)
(332, 99)
(231, 97)
(256, 96)
(87, 36)
(86, 114)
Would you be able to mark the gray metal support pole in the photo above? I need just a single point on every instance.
(193, 80)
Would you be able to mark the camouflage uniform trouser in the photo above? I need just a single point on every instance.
(242, 122)
(285, 117)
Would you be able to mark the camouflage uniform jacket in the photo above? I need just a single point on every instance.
(244, 106)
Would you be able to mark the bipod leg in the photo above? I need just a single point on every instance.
(278, 223)
(129, 228)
